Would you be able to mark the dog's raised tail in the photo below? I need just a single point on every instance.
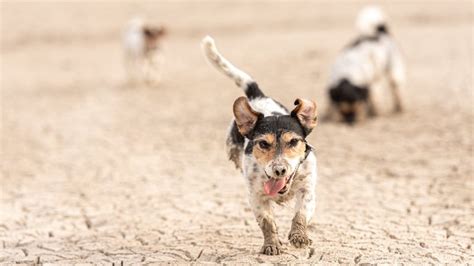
(242, 79)
(371, 21)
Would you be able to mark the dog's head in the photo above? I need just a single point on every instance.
(152, 35)
(276, 142)
(348, 98)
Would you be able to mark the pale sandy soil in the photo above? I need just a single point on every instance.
(95, 171)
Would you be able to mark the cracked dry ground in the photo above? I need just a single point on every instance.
(95, 171)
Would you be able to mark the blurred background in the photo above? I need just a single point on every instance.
(97, 170)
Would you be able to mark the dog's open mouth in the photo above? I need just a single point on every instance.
(274, 186)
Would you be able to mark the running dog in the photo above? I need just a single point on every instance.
(373, 56)
(143, 56)
(268, 144)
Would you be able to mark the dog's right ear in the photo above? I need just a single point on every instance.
(305, 112)
(245, 117)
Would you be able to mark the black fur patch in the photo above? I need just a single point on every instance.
(363, 39)
(235, 135)
(349, 118)
(345, 91)
(380, 30)
(253, 91)
(308, 150)
(276, 125)
(249, 147)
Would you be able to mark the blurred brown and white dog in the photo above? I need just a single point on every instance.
(143, 55)
(268, 144)
(372, 57)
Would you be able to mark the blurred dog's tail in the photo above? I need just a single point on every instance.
(371, 21)
(241, 78)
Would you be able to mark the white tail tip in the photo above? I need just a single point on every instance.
(218, 61)
(368, 19)
(208, 40)
(208, 45)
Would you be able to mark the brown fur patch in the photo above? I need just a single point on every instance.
(152, 37)
(245, 116)
(347, 108)
(263, 156)
(358, 108)
(292, 152)
(305, 112)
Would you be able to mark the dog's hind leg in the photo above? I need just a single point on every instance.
(235, 145)
(371, 108)
(397, 77)
(397, 103)
(330, 112)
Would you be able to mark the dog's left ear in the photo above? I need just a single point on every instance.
(305, 112)
(245, 117)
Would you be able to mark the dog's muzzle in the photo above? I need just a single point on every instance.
(275, 186)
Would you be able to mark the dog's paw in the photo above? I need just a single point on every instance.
(398, 109)
(299, 239)
(271, 249)
(372, 113)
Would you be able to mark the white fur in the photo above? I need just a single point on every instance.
(218, 61)
(266, 106)
(368, 19)
(133, 41)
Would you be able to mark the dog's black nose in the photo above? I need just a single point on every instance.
(279, 170)
(350, 118)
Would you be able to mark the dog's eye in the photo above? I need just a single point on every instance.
(293, 143)
(264, 145)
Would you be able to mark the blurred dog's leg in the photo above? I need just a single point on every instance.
(131, 69)
(154, 69)
(330, 112)
(397, 103)
(371, 108)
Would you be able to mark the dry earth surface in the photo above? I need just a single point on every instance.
(96, 171)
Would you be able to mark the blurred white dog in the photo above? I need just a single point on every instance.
(143, 55)
(373, 56)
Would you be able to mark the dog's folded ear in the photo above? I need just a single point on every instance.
(245, 117)
(305, 112)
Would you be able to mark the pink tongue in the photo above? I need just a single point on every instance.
(273, 186)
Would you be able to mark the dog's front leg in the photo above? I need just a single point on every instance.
(371, 108)
(330, 112)
(305, 205)
(264, 215)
